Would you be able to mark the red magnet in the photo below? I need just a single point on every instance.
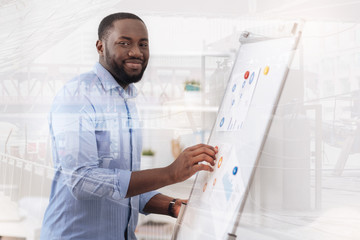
(246, 74)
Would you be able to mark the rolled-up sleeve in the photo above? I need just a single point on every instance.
(144, 199)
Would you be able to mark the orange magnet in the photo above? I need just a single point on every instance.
(220, 162)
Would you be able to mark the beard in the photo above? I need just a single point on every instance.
(120, 75)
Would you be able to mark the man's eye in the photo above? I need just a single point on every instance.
(124, 43)
(144, 44)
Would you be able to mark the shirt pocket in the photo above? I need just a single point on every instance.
(103, 143)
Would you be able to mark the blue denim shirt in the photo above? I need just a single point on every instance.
(96, 141)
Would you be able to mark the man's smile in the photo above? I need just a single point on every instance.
(135, 64)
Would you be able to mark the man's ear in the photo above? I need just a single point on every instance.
(100, 47)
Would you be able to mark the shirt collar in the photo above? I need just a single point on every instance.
(108, 82)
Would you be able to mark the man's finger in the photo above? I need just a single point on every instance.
(202, 167)
(209, 150)
(203, 157)
(201, 145)
(192, 148)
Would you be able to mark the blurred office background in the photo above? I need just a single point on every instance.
(307, 184)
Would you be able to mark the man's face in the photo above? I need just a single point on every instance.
(125, 52)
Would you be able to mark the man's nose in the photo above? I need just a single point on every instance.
(135, 52)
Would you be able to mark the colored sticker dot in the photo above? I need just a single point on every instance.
(243, 85)
(220, 162)
(235, 170)
(252, 78)
(233, 88)
(204, 188)
(266, 70)
(222, 122)
(246, 75)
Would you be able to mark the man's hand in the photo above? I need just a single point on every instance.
(192, 160)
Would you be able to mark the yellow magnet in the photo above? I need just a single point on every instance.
(266, 70)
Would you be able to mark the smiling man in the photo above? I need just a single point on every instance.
(98, 190)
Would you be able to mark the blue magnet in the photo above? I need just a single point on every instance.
(235, 170)
(252, 78)
(222, 122)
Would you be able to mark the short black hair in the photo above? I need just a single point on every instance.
(107, 23)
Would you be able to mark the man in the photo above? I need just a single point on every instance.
(98, 189)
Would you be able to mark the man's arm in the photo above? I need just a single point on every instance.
(187, 164)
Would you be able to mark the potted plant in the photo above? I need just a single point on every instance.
(192, 85)
(147, 159)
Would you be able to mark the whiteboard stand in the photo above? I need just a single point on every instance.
(178, 223)
(231, 236)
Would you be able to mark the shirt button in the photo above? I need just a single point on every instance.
(116, 195)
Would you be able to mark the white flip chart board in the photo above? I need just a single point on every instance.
(240, 130)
